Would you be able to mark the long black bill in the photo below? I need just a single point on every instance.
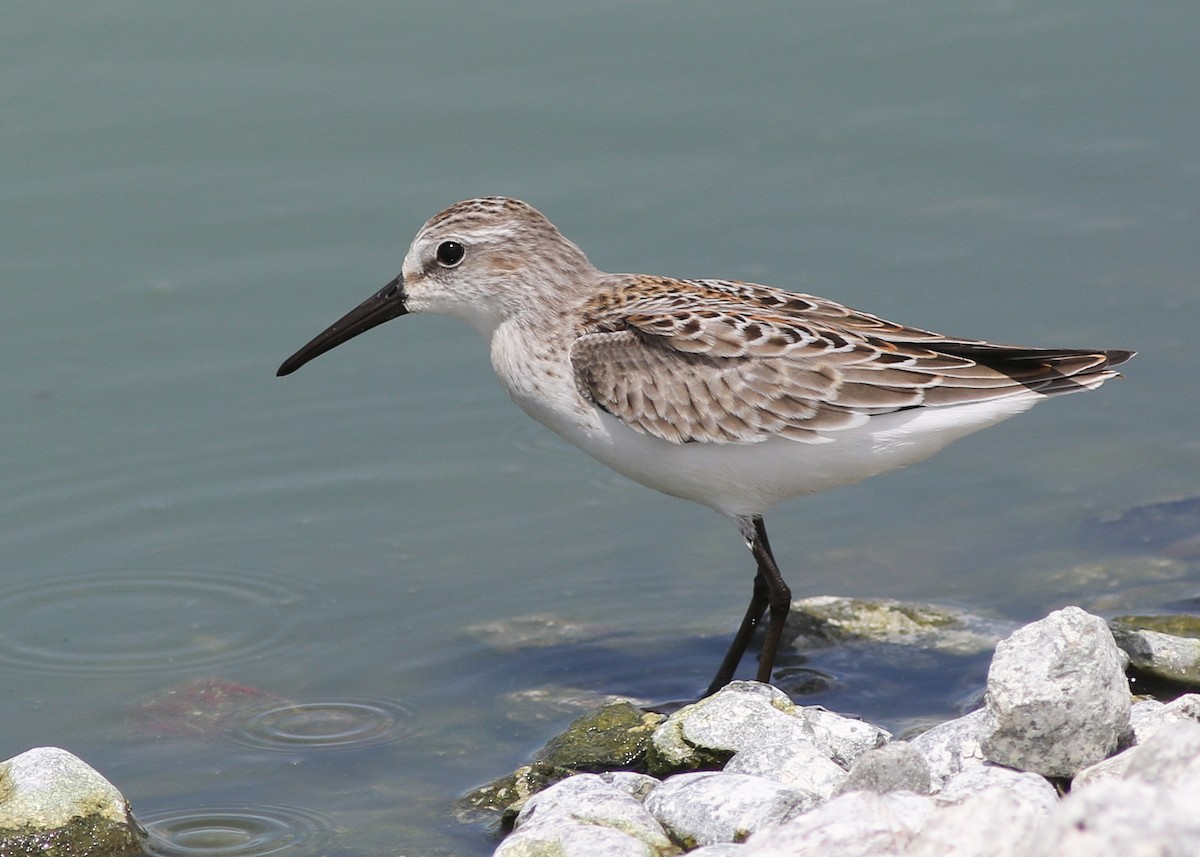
(384, 305)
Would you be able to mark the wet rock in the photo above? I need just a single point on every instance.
(894, 767)
(615, 737)
(978, 779)
(1057, 698)
(503, 798)
(706, 734)
(995, 822)
(52, 802)
(1167, 647)
(708, 807)
(796, 764)
(953, 746)
(585, 799)
(843, 739)
(856, 824)
(824, 621)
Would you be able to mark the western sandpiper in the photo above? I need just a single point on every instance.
(731, 394)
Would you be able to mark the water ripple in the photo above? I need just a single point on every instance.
(140, 621)
(340, 724)
(236, 831)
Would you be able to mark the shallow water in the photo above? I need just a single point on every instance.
(193, 191)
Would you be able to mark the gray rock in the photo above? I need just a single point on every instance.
(1057, 697)
(709, 732)
(1112, 768)
(564, 838)
(894, 767)
(1169, 757)
(721, 849)
(856, 824)
(708, 807)
(977, 779)
(798, 764)
(995, 822)
(585, 799)
(1120, 817)
(1148, 716)
(53, 802)
(1142, 722)
(1163, 655)
(843, 739)
(631, 782)
(952, 746)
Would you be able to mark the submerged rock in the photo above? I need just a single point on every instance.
(201, 708)
(828, 621)
(53, 803)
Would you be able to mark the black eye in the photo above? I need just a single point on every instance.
(450, 253)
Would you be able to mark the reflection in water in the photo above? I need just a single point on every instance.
(140, 621)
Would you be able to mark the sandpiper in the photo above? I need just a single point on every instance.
(731, 394)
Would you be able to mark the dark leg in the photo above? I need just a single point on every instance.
(771, 595)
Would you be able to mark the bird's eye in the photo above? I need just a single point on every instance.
(450, 253)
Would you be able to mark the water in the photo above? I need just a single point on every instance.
(191, 192)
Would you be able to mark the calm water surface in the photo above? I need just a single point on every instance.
(192, 191)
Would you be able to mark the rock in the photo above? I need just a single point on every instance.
(1120, 817)
(615, 737)
(552, 702)
(856, 824)
(828, 620)
(977, 779)
(708, 807)
(1057, 698)
(952, 746)
(798, 764)
(1112, 768)
(1148, 716)
(709, 732)
(585, 799)
(843, 739)
(721, 849)
(52, 802)
(503, 798)
(994, 822)
(1173, 655)
(203, 707)
(894, 767)
(536, 631)
(573, 839)
(632, 783)
(1169, 757)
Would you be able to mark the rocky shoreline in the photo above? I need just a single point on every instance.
(1060, 760)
